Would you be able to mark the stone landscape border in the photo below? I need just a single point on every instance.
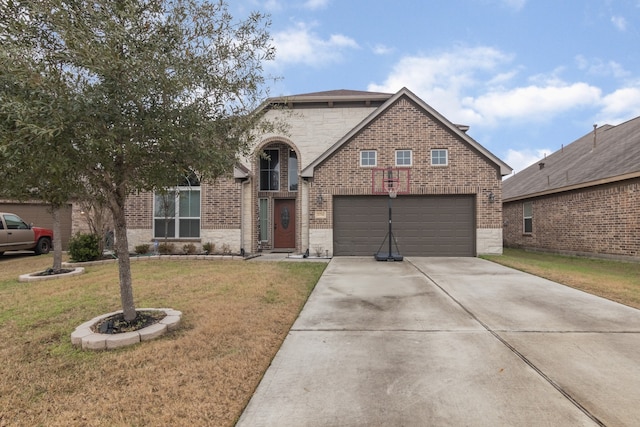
(33, 277)
(87, 339)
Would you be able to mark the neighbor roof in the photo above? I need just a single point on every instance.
(607, 154)
(391, 99)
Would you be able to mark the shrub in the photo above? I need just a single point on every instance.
(165, 248)
(189, 248)
(84, 247)
(142, 249)
(208, 247)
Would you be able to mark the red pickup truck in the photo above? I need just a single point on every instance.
(17, 235)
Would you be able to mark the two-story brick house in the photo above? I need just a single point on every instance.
(311, 189)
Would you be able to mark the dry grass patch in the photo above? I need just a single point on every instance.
(235, 317)
(614, 280)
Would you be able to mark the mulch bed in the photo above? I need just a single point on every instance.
(117, 325)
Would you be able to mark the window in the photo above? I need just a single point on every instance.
(264, 220)
(403, 158)
(527, 214)
(293, 171)
(176, 213)
(439, 157)
(368, 158)
(270, 170)
(14, 222)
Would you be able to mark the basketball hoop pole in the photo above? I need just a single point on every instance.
(393, 192)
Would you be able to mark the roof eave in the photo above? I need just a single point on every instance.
(579, 186)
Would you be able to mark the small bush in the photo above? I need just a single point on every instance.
(142, 249)
(84, 247)
(226, 249)
(208, 247)
(165, 248)
(189, 249)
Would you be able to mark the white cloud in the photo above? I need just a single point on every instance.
(300, 45)
(520, 160)
(532, 102)
(316, 4)
(619, 22)
(515, 4)
(601, 68)
(477, 86)
(381, 49)
(620, 105)
(443, 79)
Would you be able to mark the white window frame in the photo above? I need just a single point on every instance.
(440, 151)
(404, 158)
(375, 159)
(177, 217)
(527, 215)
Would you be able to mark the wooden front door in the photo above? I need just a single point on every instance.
(284, 224)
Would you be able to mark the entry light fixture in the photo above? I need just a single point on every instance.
(491, 196)
(319, 199)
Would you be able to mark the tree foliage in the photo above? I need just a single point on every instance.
(122, 96)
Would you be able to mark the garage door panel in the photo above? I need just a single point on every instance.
(422, 225)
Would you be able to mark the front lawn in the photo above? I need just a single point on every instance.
(235, 316)
(616, 280)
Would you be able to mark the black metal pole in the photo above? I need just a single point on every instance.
(390, 228)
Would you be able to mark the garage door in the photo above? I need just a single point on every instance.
(38, 215)
(422, 225)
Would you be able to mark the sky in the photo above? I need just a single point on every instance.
(527, 76)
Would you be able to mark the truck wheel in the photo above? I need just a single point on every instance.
(43, 246)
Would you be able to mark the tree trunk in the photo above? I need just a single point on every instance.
(57, 239)
(124, 264)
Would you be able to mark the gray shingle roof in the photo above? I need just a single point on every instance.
(614, 155)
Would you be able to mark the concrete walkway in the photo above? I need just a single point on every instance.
(451, 341)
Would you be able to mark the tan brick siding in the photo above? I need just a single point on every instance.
(603, 220)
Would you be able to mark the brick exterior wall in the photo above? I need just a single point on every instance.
(406, 126)
(599, 221)
(220, 203)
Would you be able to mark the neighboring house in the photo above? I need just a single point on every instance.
(583, 199)
(311, 189)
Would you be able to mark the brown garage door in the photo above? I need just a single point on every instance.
(422, 225)
(38, 215)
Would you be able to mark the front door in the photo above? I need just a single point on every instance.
(284, 224)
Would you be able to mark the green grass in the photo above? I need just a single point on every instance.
(616, 280)
(235, 316)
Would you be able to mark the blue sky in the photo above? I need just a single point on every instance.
(526, 75)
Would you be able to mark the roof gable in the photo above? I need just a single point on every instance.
(404, 92)
(607, 154)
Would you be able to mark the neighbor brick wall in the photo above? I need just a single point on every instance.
(406, 126)
(602, 220)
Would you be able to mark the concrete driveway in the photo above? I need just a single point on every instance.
(451, 341)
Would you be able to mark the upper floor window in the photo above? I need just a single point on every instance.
(527, 217)
(293, 171)
(270, 170)
(368, 158)
(439, 157)
(176, 212)
(403, 158)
